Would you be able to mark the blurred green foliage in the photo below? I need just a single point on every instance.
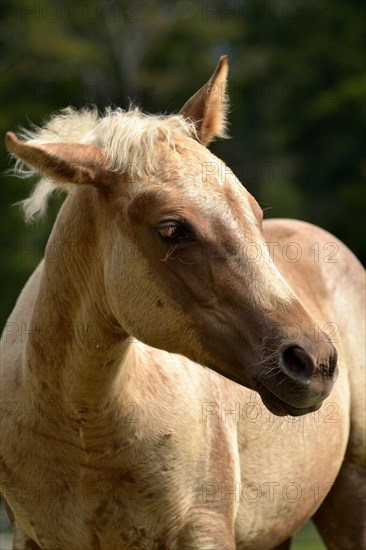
(297, 91)
(307, 538)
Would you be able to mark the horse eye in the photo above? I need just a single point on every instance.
(172, 231)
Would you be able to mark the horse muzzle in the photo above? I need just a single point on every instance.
(301, 378)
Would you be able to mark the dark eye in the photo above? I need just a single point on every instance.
(174, 232)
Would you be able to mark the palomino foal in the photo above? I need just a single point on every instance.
(113, 434)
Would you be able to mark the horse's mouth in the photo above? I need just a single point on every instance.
(271, 401)
(277, 406)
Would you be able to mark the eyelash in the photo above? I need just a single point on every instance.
(172, 231)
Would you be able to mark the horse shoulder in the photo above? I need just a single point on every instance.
(330, 281)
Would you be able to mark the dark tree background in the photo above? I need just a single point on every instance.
(297, 91)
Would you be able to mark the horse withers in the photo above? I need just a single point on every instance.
(163, 386)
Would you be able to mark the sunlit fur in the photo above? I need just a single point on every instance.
(129, 141)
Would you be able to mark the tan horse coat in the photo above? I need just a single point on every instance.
(113, 436)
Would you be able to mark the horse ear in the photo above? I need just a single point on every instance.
(64, 162)
(207, 108)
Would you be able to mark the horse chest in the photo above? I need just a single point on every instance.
(76, 495)
(103, 523)
(63, 511)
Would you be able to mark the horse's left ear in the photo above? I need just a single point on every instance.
(63, 162)
(207, 108)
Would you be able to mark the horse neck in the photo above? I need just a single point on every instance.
(76, 347)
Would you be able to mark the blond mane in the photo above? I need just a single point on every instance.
(128, 139)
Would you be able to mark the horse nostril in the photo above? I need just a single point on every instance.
(297, 363)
